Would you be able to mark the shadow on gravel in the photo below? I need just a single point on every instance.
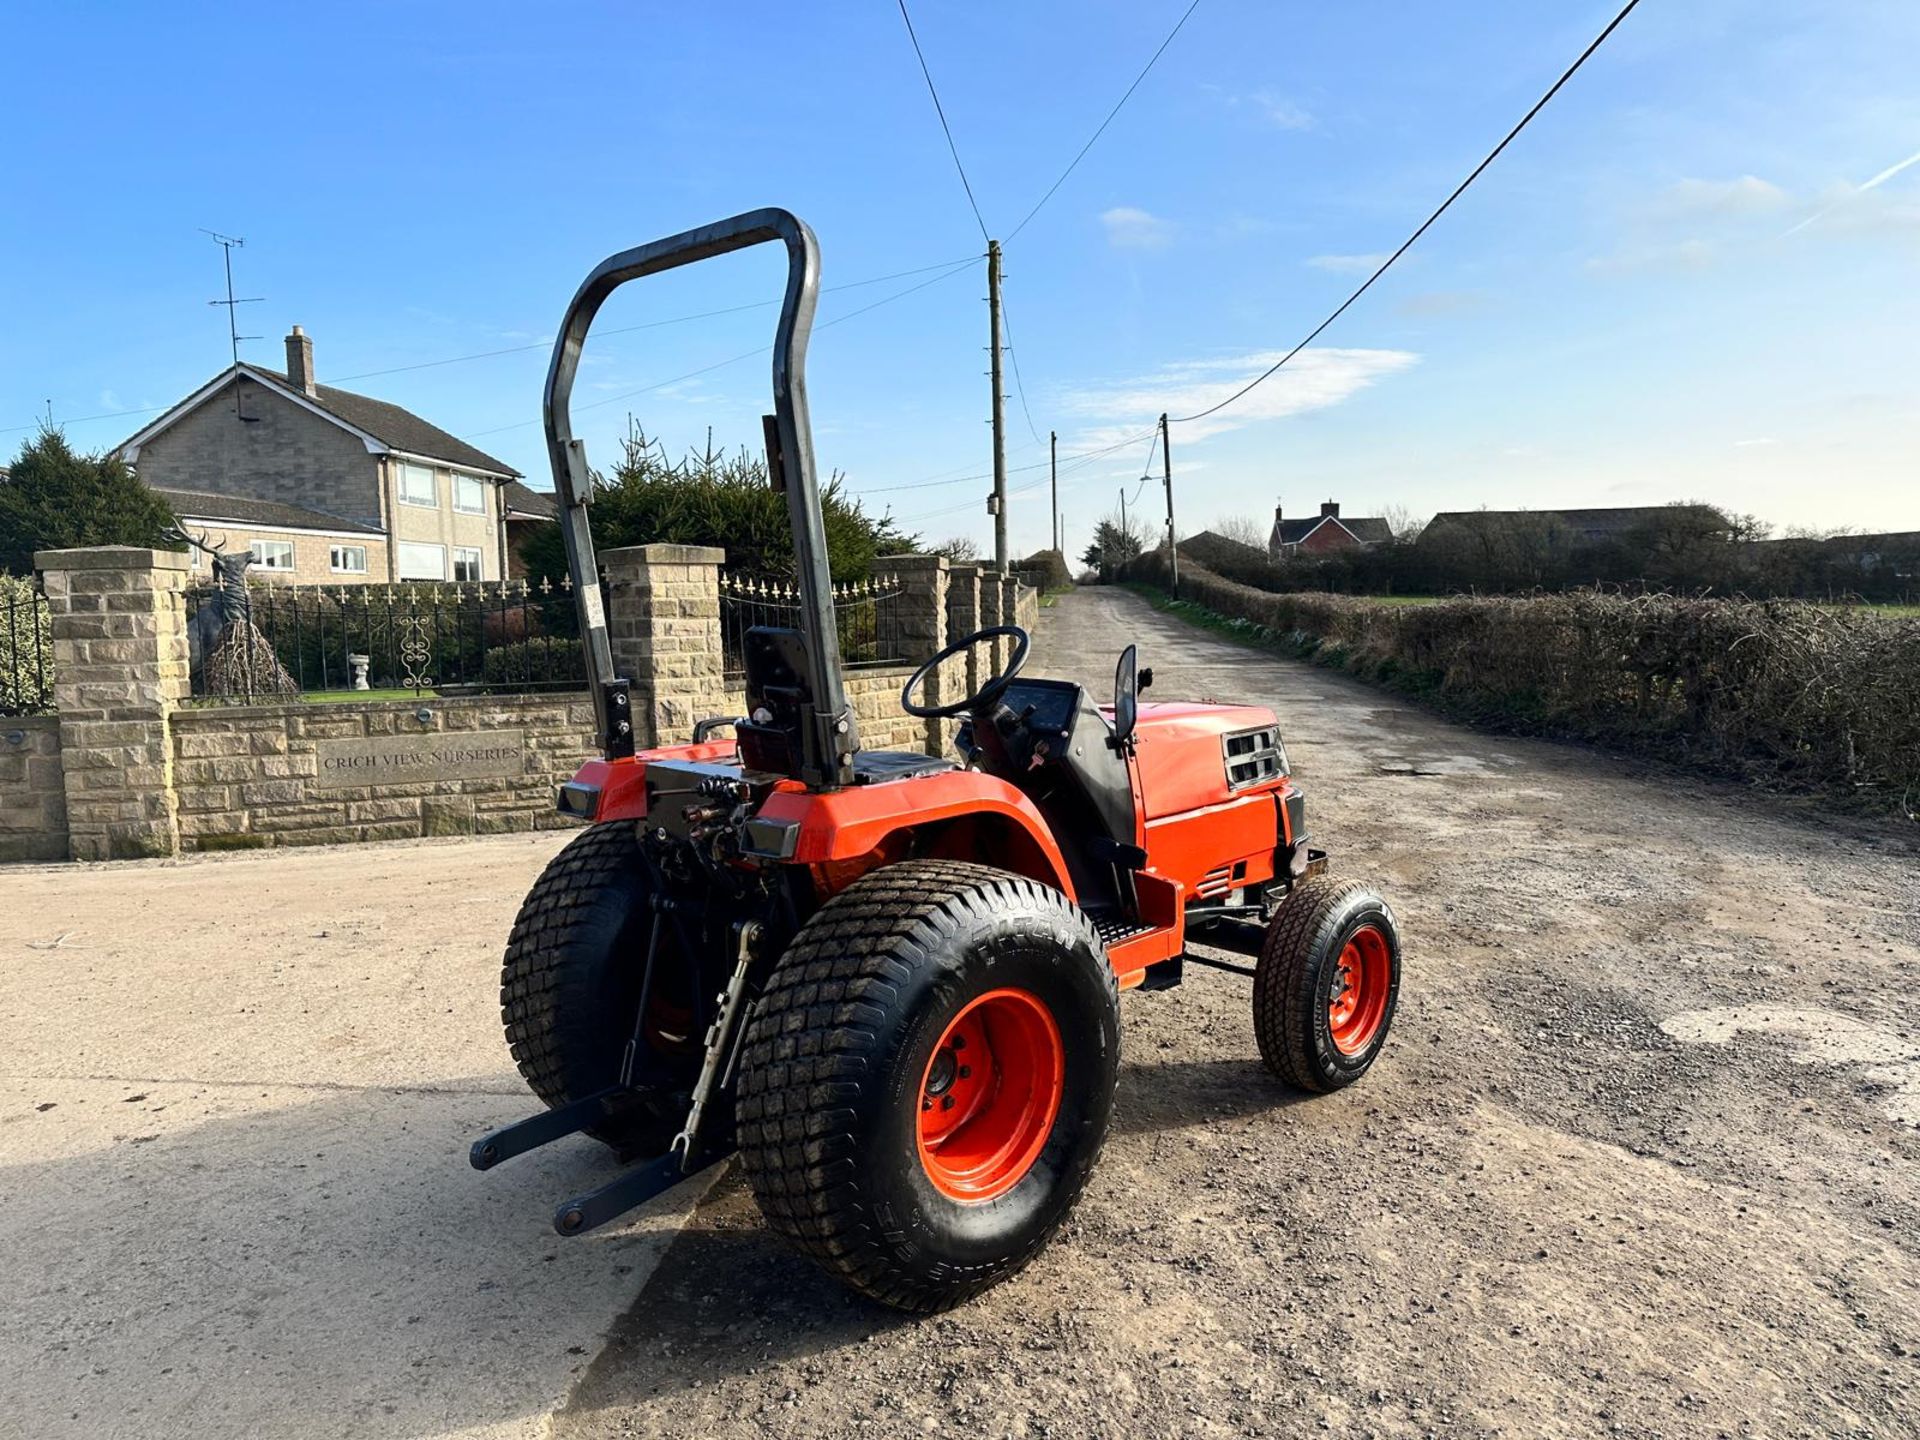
(1175, 1094)
(729, 1298)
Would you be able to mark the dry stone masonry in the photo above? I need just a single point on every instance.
(126, 768)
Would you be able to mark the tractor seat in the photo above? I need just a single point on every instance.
(876, 767)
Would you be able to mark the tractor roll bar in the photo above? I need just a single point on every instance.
(833, 721)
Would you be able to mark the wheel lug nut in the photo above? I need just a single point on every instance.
(946, 1102)
(965, 1071)
(959, 1042)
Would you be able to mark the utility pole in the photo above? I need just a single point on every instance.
(1173, 536)
(999, 505)
(1125, 534)
(1053, 470)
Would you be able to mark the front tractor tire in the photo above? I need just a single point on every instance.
(1326, 984)
(570, 982)
(927, 1078)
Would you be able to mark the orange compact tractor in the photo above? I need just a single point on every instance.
(891, 982)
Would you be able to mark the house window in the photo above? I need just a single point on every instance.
(349, 559)
(417, 487)
(422, 562)
(466, 563)
(469, 495)
(272, 554)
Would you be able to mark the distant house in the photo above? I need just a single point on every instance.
(1324, 533)
(325, 486)
(1572, 527)
(527, 512)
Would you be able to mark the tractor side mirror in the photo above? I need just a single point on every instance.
(1126, 696)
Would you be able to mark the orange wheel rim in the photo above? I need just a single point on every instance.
(990, 1094)
(1357, 1002)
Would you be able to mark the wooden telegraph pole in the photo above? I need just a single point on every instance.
(999, 505)
(1166, 474)
(1053, 470)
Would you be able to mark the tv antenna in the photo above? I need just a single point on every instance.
(227, 244)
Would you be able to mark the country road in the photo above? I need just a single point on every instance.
(1642, 1157)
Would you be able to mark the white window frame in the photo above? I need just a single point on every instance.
(460, 484)
(335, 554)
(258, 549)
(409, 471)
(418, 546)
(469, 554)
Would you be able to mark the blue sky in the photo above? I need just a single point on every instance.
(1673, 286)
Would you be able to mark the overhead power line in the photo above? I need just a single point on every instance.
(745, 354)
(1074, 163)
(1407, 244)
(945, 266)
(1019, 385)
(946, 129)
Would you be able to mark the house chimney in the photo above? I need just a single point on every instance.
(1277, 517)
(1330, 510)
(300, 361)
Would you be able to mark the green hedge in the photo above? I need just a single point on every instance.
(1782, 691)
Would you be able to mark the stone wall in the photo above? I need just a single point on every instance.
(33, 797)
(255, 775)
(125, 768)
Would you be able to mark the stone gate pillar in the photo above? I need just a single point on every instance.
(922, 621)
(663, 621)
(119, 670)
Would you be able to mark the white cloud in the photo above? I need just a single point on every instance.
(1348, 264)
(1279, 111)
(1682, 255)
(1748, 195)
(1312, 380)
(1130, 228)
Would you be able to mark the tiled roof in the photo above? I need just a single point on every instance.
(1368, 530)
(524, 502)
(1595, 524)
(271, 514)
(395, 427)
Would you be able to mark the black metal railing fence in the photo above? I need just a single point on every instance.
(490, 637)
(26, 647)
(867, 613)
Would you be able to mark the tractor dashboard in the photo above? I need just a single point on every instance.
(1044, 705)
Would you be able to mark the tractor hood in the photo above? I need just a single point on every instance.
(1194, 754)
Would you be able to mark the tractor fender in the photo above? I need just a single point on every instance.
(973, 816)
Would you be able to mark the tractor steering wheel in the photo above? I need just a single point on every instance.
(983, 697)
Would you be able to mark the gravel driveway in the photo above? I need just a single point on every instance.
(1640, 1158)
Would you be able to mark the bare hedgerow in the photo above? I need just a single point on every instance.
(1780, 691)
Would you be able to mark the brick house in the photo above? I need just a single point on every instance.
(526, 511)
(323, 485)
(1324, 533)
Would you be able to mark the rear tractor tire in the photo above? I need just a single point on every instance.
(570, 982)
(927, 1078)
(1326, 983)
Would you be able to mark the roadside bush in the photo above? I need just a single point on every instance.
(1779, 691)
(535, 662)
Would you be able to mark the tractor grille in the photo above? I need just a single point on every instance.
(1253, 756)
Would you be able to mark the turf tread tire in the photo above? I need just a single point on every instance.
(555, 976)
(807, 1064)
(1289, 1000)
